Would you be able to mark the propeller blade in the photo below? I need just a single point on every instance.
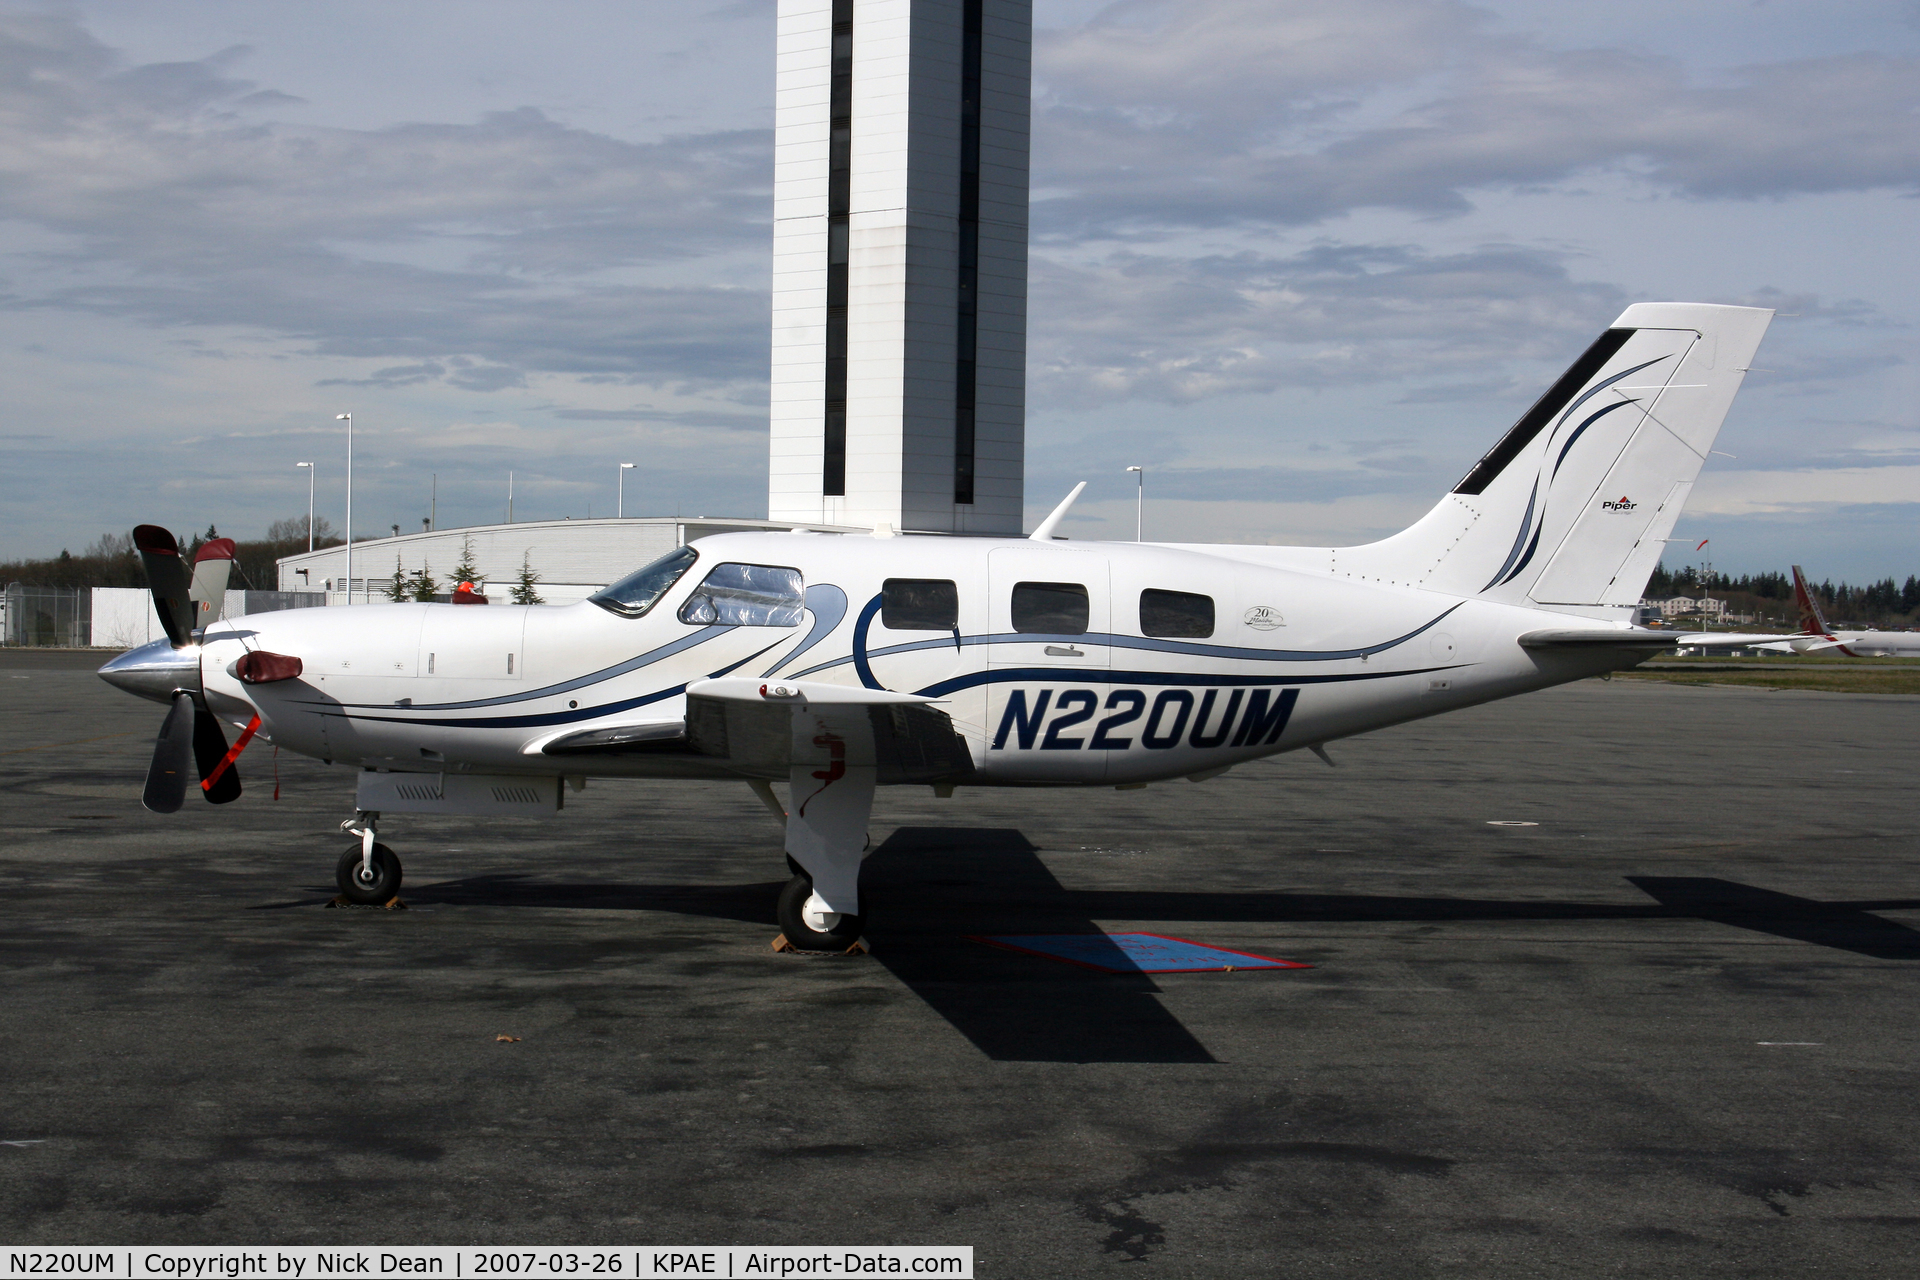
(167, 776)
(167, 576)
(209, 752)
(211, 565)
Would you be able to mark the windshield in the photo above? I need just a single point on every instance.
(746, 595)
(640, 590)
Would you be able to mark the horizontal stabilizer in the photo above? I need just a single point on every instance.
(1640, 638)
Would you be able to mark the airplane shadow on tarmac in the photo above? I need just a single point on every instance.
(927, 887)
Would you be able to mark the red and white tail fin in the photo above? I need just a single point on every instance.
(1812, 620)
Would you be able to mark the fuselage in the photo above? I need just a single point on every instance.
(1060, 663)
(1862, 644)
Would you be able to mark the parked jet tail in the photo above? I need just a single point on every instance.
(1572, 508)
(1813, 620)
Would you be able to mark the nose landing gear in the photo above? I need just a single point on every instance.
(368, 873)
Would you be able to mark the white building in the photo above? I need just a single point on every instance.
(1681, 605)
(572, 558)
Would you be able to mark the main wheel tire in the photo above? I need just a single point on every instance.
(841, 931)
(358, 888)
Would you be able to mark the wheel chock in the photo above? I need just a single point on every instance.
(392, 904)
(859, 948)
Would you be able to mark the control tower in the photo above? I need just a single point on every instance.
(900, 263)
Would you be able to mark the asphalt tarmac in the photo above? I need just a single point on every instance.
(1669, 1030)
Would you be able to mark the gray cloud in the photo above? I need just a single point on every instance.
(1294, 111)
(678, 417)
(1137, 326)
(418, 242)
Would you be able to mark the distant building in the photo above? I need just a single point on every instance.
(1680, 606)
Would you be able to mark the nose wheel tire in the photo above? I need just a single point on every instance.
(361, 888)
(809, 926)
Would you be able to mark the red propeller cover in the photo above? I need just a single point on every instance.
(261, 667)
(214, 549)
(154, 540)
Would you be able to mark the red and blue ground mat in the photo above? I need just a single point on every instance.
(1134, 952)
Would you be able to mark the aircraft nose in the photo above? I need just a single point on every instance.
(155, 671)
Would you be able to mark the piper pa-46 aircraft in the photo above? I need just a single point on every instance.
(838, 663)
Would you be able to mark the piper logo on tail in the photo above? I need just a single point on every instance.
(1621, 505)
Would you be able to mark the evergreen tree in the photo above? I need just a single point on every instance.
(397, 588)
(466, 570)
(426, 588)
(523, 592)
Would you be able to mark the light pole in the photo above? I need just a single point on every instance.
(348, 419)
(509, 497)
(620, 508)
(1140, 506)
(310, 473)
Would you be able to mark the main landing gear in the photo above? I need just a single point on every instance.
(826, 821)
(369, 873)
(808, 924)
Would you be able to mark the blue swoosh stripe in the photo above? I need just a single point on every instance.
(646, 659)
(1579, 430)
(1526, 523)
(1598, 387)
(1140, 642)
(571, 716)
(1073, 675)
(828, 604)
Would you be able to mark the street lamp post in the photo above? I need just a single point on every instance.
(1140, 506)
(310, 473)
(620, 507)
(348, 419)
(509, 497)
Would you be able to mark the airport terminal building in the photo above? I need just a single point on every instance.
(571, 559)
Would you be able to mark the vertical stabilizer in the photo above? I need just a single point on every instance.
(1813, 620)
(1573, 505)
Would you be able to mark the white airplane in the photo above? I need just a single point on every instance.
(839, 663)
(1817, 637)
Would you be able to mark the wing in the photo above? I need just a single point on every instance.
(749, 726)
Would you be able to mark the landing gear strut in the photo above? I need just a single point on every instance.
(368, 873)
(831, 780)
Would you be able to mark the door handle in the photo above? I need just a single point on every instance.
(1055, 651)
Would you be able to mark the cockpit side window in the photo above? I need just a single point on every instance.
(747, 595)
(640, 590)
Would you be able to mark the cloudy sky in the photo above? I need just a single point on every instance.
(1302, 259)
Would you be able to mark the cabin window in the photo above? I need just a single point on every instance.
(746, 595)
(1050, 608)
(640, 590)
(919, 604)
(1175, 615)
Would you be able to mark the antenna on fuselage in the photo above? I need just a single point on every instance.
(1045, 532)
